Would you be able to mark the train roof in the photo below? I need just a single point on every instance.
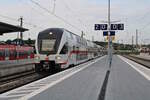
(49, 29)
(59, 29)
(63, 29)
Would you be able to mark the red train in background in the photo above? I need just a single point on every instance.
(14, 52)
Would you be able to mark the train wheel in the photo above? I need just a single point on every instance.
(52, 68)
(70, 66)
(38, 68)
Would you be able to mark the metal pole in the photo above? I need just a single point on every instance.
(54, 6)
(21, 24)
(136, 38)
(82, 34)
(109, 37)
(109, 13)
(132, 43)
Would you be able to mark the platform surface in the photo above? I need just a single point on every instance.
(127, 81)
(144, 56)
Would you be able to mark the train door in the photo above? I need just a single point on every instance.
(29, 54)
(77, 55)
(74, 55)
(2, 55)
(64, 54)
(70, 54)
(7, 54)
(12, 55)
(32, 53)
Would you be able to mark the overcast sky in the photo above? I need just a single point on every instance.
(82, 14)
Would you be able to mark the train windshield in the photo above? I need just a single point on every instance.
(48, 45)
(49, 40)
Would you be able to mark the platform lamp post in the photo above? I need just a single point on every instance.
(109, 31)
(109, 36)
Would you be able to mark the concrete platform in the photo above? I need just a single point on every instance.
(143, 56)
(16, 66)
(82, 82)
(127, 81)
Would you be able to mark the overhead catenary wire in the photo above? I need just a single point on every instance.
(9, 18)
(60, 18)
(145, 26)
(16, 20)
(141, 19)
(76, 16)
(35, 10)
(73, 12)
(143, 16)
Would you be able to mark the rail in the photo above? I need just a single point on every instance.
(17, 80)
(142, 61)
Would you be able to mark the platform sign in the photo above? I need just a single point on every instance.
(112, 33)
(101, 26)
(120, 26)
(105, 33)
(117, 26)
(107, 38)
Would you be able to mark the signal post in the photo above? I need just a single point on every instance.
(109, 31)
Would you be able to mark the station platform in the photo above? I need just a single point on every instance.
(127, 80)
(4, 64)
(15, 66)
(143, 56)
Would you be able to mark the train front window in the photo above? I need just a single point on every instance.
(48, 45)
(49, 40)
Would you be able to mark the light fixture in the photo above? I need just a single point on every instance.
(50, 33)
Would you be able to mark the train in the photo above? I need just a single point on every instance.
(58, 48)
(10, 52)
(145, 50)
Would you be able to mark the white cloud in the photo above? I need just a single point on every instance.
(81, 13)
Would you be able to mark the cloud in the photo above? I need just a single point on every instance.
(80, 13)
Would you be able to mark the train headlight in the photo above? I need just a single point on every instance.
(58, 57)
(50, 33)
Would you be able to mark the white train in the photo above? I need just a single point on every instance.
(58, 48)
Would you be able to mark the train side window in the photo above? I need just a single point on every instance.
(64, 50)
(1, 53)
(7, 53)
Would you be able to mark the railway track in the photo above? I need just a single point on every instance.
(142, 61)
(10, 82)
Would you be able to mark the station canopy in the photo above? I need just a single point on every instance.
(8, 28)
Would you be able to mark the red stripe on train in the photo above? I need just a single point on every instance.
(74, 52)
